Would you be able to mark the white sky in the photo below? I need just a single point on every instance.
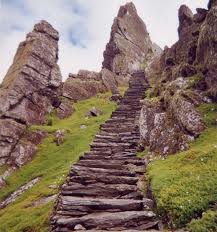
(84, 27)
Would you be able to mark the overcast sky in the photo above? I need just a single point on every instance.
(84, 27)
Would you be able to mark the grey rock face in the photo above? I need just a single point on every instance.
(207, 50)
(184, 77)
(82, 86)
(29, 89)
(129, 42)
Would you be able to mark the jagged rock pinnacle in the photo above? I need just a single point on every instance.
(129, 42)
(185, 18)
(28, 90)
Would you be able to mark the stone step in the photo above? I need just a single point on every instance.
(141, 220)
(101, 190)
(79, 170)
(127, 145)
(61, 229)
(116, 140)
(102, 164)
(112, 165)
(119, 160)
(116, 156)
(133, 137)
(109, 163)
(100, 178)
(91, 205)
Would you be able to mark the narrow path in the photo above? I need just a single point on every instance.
(101, 191)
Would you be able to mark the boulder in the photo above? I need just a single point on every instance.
(187, 116)
(36, 137)
(116, 98)
(10, 133)
(83, 86)
(59, 137)
(160, 132)
(65, 109)
(23, 152)
(89, 75)
(94, 112)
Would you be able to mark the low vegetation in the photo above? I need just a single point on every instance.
(52, 164)
(184, 185)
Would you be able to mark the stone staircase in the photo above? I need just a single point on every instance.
(101, 192)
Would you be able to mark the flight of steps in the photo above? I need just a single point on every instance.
(101, 192)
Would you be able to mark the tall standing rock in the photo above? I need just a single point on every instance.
(30, 87)
(129, 42)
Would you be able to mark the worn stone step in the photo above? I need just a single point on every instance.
(118, 220)
(100, 190)
(102, 164)
(110, 163)
(116, 140)
(127, 145)
(128, 158)
(117, 156)
(79, 206)
(79, 170)
(64, 229)
(117, 136)
(106, 179)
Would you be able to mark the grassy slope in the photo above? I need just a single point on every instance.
(52, 164)
(185, 185)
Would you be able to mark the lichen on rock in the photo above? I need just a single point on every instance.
(28, 90)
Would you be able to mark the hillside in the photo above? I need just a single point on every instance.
(130, 148)
(30, 212)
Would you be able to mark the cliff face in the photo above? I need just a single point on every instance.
(181, 79)
(29, 91)
(129, 43)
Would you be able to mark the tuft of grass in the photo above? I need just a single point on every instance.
(3, 169)
(208, 223)
(52, 164)
(186, 183)
(142, 154)
(193, 81)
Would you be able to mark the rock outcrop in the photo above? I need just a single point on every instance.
(129, 43)
(181, 79)
(29, 91)
(84, 85)
(87, 84)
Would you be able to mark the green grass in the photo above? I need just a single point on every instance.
(3, 169)
(52, 163)
(184, 185)
(142, 154)
(208, 223)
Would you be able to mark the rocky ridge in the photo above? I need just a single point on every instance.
(180, 80)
